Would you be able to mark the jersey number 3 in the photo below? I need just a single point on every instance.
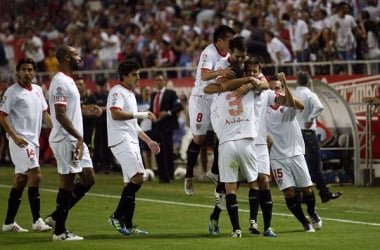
(235, 103)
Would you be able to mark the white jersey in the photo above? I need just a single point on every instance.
(233, 118)
(312, 107)
(121, 98)
(262, 101)
(276, 46)
(285, 132)
(63, 91)
(342, 27)
(24, 108)
(208, 59)
(297, 31)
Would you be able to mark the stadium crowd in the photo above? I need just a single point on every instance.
(103, 35)
(168, 33)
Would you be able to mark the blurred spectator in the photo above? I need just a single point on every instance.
(130, 52)
(166, 57)
(278, 52)
(241, 30)
(3, 64)
(51, 62)
(33, 49)
(110, 49)
(299, 35)
(50, 32)
(374, 12)
(88, 60)
(90, 111)
(283, 34)
(344, 28)
(372, 41)
(8, 39)
(103, 158)
(256, 44)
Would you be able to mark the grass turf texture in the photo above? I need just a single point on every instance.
(177, 221)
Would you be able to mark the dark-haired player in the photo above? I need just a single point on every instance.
(22, 109)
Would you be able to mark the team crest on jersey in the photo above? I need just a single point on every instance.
(204, 57)
(282, 110)
(3, 99)
(60, 95)
(198, 126)
(114, 98)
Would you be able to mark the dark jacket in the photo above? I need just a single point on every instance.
(169, 102)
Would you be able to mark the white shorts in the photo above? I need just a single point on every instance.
(262, 156)
(291, 172)
(129, 156)
(199, 113)
(24, 158)
(64, 152)
(237, 161)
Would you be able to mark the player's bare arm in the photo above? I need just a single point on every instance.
(290, 100)
(118, 114)
(207, 74)
(213, 88)
(153, 145)
(47, 119)
(91, 111)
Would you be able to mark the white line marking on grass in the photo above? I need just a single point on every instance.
(203, 206)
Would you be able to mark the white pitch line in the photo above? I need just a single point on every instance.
(204, 206)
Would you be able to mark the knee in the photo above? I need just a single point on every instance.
(35, 179)
(88, 178)
(138, 179)
(307, 191)
(289, 193)
(20, 181)
(199, 139)
(88, 182)
(263, 182)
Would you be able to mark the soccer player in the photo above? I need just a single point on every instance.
(259, 194)
(200, 103)
(123, 135)
(234, 122)
(22, 109)
(307, 121)
(66, 142)
(287, 157)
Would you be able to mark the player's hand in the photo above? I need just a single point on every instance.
(308, 125)
(154, 147)
(79, 149)
(243, 90)
(281, 77)
(228, 73)
(152, 116)
(91, 111)
(19, 141)
(254, 82)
